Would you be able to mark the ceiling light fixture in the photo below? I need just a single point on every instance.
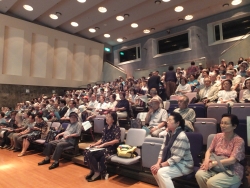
(134, 25)
(188, 17)
(28, 7)
(236, 2)
(102, 9)
(126, 15)
(119, 18)
(106, 35)
(152, 29)
(146, 31)
(81, 1)
(92, 30)
(180, 19)
(225, 5)
(124, 38)
(97, 28)
(74, 24)
(157, 2)
(178, 9)
(165, 0)
(119, 40)
(55, 16)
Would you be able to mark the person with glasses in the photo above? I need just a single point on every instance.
(226, 144)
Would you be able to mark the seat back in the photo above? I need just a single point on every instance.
(205, 128)
(209, 140)
(191, 95)
(196, 143)
(135, 137)
(200, 110)
(123, 131)
(241, 110)
(166, 105)
(174, 97)
(150, 151)
(172, 107)
(55, 125)
(213, 120)
(142, 116)
(99, 122)
(216, 111)
(64, 126)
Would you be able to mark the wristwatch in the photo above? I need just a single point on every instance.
(160, 165)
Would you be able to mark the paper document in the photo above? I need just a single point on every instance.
(86, 125)
(94, 149)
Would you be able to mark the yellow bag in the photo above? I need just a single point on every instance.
(126, 151)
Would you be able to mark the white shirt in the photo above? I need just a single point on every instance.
(185, 88)
(111, 105)
(93, 104)
(227, 95)
(70, 110)
(102, 106)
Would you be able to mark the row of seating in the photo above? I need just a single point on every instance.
(149, 148)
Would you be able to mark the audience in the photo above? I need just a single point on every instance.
(226, 94)
(246, 93)
(183, 87)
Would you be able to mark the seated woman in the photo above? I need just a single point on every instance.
(175, 157)
(193, 82)
(109, 141)
(226, 144)
(227, 95)
(122, 107)
(38, 131)
(112, 102)
(246, 93)
(183, 87)
(101, 107)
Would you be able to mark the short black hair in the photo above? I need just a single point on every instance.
(231, 63)
(32, 116)
(114, 116)
(170, 68)
(113, 96)
(63, 101)
(234, 119)
(2, 114)
(178, 118)
(192, 63)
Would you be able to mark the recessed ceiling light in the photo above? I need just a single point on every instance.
(180, 20)
(102, 9)
(126, 15)
(152, 29)
(106, 35)
(53, 16)
(225, 5)
(119, 40)
(188, 17)
(236, 2)
(146, 31)
(74, 24)
(157, 2)
(178, 9)
(28, 7)
(134, 25)
(165, 0)
(92, 30)
(119, 18)
(81, 1)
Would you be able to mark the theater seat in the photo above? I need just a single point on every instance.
(135, 137)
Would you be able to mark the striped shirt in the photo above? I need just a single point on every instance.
(180, 152)
(188, 115)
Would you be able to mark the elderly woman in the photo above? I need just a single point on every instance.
(109, 141)
(183, 88)
(38, 131)
(227, 95)
(175, 158)
(246, 93)
(226, 144)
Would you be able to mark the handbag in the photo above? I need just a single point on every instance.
(220, 168)
(126, 151)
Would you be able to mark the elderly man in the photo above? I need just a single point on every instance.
(154, 95)
(188, 114)
(156, 118)
(73, 130)
(208, 94)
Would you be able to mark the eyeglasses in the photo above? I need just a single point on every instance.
(225, 123)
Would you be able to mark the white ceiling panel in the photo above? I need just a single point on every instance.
(146, 13)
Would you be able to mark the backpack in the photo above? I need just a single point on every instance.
(136, 123)
(126, 151)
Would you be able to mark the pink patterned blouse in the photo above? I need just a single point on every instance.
(233, 148)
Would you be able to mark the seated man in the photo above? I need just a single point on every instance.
(156, 117)
(73, 130)
(72, 108)
(92, 103)
(208, 94)
(188, 114)
(122, 107)
(154, 95)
